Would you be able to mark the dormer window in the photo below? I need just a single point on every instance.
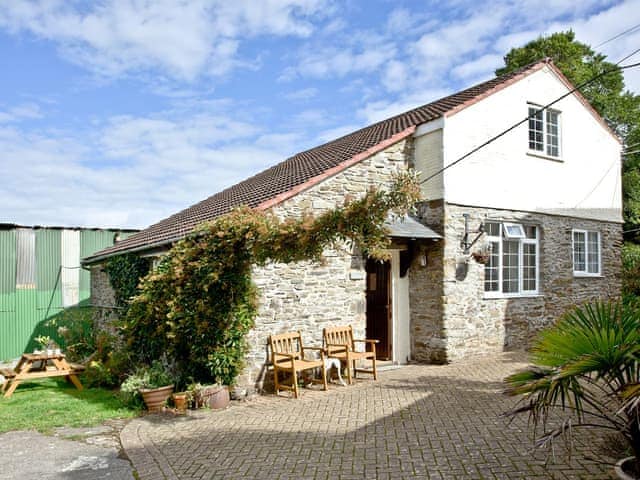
(544, 131)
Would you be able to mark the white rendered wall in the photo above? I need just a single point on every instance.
(504, 175)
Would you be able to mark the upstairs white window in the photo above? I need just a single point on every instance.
(586, 253)
(512, 269)
(544, 131)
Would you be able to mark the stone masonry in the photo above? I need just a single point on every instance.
(306, 296)
(102, 295)
(455, 319)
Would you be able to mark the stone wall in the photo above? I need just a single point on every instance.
(306, 296)
(426, 292)
(102, 295)
(103, 299)
(474, 324)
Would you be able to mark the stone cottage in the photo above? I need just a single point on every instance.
(505, 240)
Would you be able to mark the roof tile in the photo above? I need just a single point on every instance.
(299, 169)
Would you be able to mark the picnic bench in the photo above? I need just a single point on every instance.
(339, 343)
(287, 355)
(40, 365)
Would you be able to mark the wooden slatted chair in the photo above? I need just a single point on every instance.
(287, 355)
(339, 343)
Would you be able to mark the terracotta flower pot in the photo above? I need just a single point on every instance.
(155, 398)
(180, 400)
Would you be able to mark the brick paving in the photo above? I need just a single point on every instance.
(417, 422)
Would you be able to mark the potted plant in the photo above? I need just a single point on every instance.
(587, 364)
(154, 384)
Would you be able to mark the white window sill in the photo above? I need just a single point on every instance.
(587, 275)
(508, 296)
(534, 153)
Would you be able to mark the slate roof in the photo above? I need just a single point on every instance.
(303, 167)
(409, 227)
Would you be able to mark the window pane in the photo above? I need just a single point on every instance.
(529, 266)
(513, 230)
(553, 133)
(491, 269)
(593, 253)
(530, 231)
(536, 132)
(492, 229)
(510, 266)
(579, 252)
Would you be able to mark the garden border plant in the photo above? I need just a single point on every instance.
(198, 304)
(586, 365)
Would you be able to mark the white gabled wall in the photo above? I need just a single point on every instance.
(503, 174)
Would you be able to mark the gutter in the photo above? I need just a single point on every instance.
(99, 258)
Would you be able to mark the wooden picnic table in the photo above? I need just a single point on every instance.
(40, 365)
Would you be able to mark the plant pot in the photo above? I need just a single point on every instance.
(155, 398)
(622, 469)
(180, 401)
(212, 396)
(219, 399)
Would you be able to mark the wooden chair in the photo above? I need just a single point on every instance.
(287, 355)
(339, 343)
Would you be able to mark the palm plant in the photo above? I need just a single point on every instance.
(587, 364)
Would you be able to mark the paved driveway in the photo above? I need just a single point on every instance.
(431, 422)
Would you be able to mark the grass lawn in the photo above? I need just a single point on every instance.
(48, 403)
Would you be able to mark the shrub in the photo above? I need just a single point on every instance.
(631, 270)
(588, 364)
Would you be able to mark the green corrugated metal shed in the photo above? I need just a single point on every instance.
(24, 311)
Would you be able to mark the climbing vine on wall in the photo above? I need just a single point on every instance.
(198, 305)
(125, 272)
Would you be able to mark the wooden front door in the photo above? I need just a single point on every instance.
(379, 306)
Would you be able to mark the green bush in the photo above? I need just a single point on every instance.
(90, 338)
(76, 327)
(631, 270)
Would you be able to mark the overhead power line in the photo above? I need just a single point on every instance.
(621, 34)
(535, 112)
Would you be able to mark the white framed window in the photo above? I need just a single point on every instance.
(544, 131)
(586, 253)
(512, 269)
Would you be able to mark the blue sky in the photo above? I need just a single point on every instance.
(119, 113)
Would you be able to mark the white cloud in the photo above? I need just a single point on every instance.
(480, 68)
(310, 118)
(337, 132)
(333, 62)
(185, 39)
(23, 111)
(302, 94)
(395, 76)
(379, 110)
(133, 171)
